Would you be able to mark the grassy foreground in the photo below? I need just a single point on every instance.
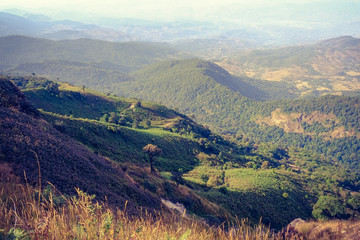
(26, 214)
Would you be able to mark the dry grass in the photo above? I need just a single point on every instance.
(23, 216)
(336, 230)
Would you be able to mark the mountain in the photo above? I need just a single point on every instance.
(16, 25)
(207, 91)
(329, 66)
(83, 61)
(252, 28)
(220, 179)
(73, 152)
(43, 26)
(224, 102)
(46, 145)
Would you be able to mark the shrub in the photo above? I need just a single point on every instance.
(328, 207)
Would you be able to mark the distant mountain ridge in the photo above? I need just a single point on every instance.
(329, 66)
(41, 26)
(21, 49)
(203, 38)
(91, 62)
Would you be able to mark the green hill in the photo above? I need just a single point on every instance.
(200, 88)
(185, 145)
(220, 179)
(194, 86)
(32, 147)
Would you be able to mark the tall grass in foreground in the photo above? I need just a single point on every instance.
(23, 216)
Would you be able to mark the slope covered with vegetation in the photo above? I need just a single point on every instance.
(203, 89)
(34, 147)
(31, 147)
(212, 177)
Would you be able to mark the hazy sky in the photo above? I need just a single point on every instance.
(185, 9)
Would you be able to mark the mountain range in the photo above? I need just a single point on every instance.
(227, 103)
(269, 134)
(226, 35)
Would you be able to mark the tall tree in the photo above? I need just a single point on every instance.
(152, 151)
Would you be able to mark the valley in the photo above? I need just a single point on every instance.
(243, 130)
(117, 129)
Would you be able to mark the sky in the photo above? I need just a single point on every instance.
(202, 10)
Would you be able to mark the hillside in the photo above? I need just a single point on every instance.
(184, 82)
(329, 66)
(112, 128)
(247, 181)
(29, 143)
(207, 91)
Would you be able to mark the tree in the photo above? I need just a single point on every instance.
(204, 178)
(138, 103)
(328, 207)
(152, 151)
(265, 165)
(112, 118)
(177, 176)
(53, 88)
(122, 121)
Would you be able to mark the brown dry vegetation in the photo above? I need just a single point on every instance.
(23, 215)
(328, 66)
(344, 230)
(29, 213)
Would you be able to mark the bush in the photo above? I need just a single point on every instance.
(328, 207)
(223, 190)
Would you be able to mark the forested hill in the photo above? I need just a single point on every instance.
(212, 177)
(224, 102)
(92, 151)
(109, 161)
(201, 88)
(123, 57)
(184, 83)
